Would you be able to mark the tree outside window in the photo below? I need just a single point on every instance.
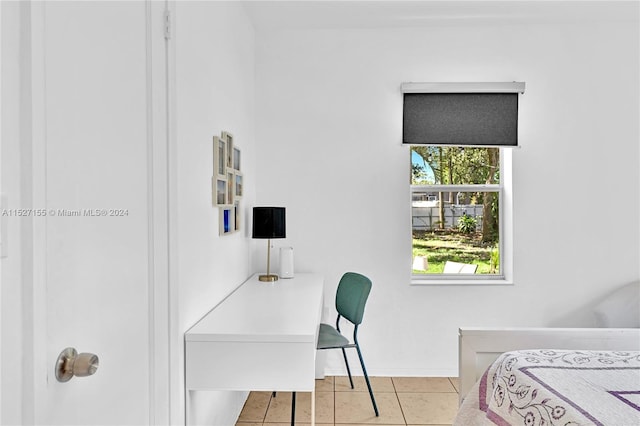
(455, 207)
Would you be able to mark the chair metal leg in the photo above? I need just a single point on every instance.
(366, 378)
(293, 408)
(344, 354)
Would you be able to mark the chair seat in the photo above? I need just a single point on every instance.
(329, 338)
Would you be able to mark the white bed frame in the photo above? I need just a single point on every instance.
(479, 347)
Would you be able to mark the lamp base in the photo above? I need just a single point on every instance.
(268, 278)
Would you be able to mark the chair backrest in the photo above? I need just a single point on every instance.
(351, 296)
(459, 268)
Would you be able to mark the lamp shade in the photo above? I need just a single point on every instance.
(269, 222)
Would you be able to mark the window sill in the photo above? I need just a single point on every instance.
(458, 281)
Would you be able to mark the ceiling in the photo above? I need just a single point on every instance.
(318, 14)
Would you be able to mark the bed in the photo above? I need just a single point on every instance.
(549, 376)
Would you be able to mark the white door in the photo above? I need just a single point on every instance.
(92, 172)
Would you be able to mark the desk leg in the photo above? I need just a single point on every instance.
(187, 404)
(313, 407)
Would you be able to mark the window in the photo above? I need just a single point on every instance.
(456, 223)
(459, 136)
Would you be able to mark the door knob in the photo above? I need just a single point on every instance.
(70, 363)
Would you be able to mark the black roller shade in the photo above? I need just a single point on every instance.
(269, 222)
(464, 119)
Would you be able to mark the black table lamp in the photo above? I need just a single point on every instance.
(268, 223)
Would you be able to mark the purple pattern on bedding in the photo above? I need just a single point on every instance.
(496, 419)
(516, 395)
(483, 392)
(582, 411)
(482, 402)
(526, 370)
(618, 394)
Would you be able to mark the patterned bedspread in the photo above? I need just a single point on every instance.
(556, 387)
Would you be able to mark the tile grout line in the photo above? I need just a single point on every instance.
(452, 384)
(264, 418)
(335, 394)
(395, 391)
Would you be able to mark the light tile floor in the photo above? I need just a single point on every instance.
(401, 401)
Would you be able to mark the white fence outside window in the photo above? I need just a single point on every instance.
(425, 215)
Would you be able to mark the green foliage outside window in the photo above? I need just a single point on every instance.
(471, 239)
(467, 224)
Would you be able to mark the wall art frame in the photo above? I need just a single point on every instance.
(237, 216)
(227, 183)
(238, 186)
(228, 138)
(226, 220)
(220, 190)
(219, 157)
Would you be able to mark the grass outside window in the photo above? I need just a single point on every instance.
(439, 246)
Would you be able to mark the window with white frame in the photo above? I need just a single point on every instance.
(455, 210)
(459, 134)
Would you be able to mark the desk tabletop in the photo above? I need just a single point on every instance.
(287, 310)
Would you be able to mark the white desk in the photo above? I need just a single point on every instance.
(261, 337)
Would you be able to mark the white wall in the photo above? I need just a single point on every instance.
(214, 86)
(329, 129)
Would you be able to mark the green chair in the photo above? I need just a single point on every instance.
(351, 297)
